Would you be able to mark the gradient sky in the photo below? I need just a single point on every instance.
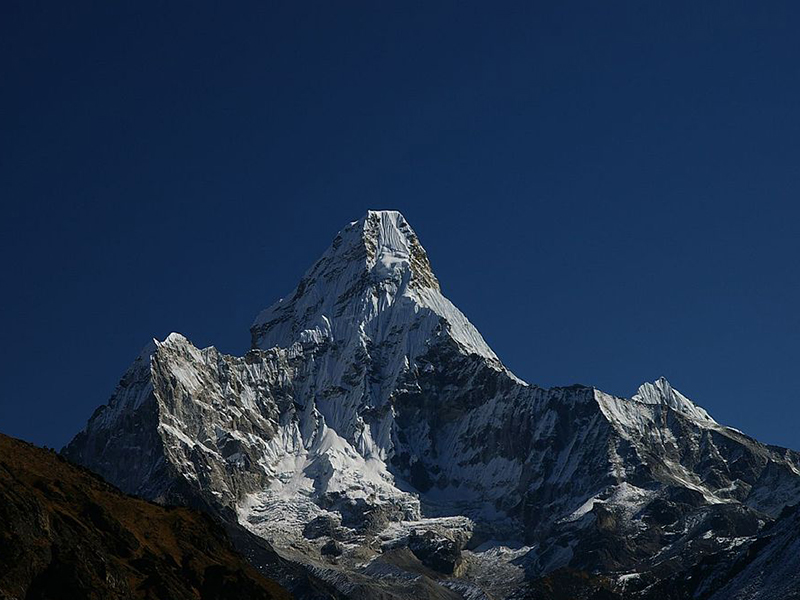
(609, 190)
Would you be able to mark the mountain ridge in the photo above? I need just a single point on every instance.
(67, 534)
(369, 410)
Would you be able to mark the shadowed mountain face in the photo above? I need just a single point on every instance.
(372, 435)
(769, 569)
(65, 533)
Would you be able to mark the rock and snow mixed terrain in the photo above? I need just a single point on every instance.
(372, 435)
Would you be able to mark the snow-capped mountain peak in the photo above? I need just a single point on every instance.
(373, 283)
(662, 392)
(393, 247)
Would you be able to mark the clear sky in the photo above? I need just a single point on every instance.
(609, 190)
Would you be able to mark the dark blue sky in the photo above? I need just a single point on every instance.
(608, 190)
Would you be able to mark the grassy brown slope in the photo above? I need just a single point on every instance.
(65, 533)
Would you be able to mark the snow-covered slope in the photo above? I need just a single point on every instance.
(370, 412)
(373, 283)
(367, 310)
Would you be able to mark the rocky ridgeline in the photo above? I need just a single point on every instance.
(372, 435)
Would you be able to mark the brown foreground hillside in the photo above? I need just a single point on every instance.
(66, 534)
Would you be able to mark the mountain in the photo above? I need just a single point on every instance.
(770, 568)
(372, 435)
(64, 533)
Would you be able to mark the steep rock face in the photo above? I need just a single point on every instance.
(173, 416)
(769, 569)
(370, 401)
